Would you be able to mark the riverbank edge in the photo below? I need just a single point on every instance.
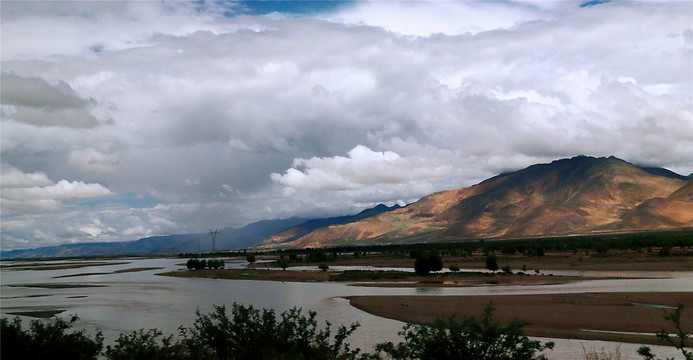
(620, 317)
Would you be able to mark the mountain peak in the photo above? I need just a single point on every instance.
(578, 195)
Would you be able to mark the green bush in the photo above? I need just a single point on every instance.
(469, 339)
(47, 340)
(251, 334)
(145, 345)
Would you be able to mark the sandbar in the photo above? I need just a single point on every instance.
(621, 317)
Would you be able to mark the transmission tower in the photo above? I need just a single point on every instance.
(213, 234)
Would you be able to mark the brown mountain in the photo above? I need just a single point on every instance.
(581, 195)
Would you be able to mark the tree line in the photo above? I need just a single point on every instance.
(197, 264)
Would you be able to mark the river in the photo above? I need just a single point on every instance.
(127, 301)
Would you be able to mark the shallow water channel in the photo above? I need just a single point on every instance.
(127, 301)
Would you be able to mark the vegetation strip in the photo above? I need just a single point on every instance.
(109, 273)
(57, 286)
(43, 314)
(550, 315)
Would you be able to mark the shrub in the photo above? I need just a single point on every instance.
(454, 268)
(47, 340)
(678, 341)
(469, 339)
(145, 345)
(258, 334)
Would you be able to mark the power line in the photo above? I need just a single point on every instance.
(213, 234)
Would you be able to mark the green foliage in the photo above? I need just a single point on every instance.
(506, 269)
(469, 339)
(318, 256)
(415, 253)
(283, 263)
(145, 345)
(47, 340)
(508, 250)
(323, 267)
(428, 261)
(454, 268)
(356, 275)
(678, 341)
(491, 262)
(665, 251)
(195, 264)
(250, 258)
(251, 334)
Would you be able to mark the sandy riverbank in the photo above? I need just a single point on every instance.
(566, 316)
(379, 278)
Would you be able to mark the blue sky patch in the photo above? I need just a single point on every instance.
(594, 2)
(263, 7)
(131, 200)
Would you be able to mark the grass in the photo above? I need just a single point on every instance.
(603, 354)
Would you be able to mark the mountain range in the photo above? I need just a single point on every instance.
(580, 195)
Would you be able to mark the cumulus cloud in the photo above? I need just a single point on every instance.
(35, 191)
(363, 168)
(217, 113)
(32, 100)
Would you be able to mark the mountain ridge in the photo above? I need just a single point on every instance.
(579, 195)
(575, 196)
(226, 239)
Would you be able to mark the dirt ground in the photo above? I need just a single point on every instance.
(380, 279)
(560, 315)
(616, 261)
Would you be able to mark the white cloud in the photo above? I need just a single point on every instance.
(35, 191)
(176, 103)
(92, 160)
(364, 170)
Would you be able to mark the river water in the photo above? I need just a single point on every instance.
(127, 301)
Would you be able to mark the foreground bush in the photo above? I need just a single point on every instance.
(469, 339)
(254, 334)
(47, 340)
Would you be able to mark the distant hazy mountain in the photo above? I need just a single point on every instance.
(226, 239)
(297, 231)
(581, 195)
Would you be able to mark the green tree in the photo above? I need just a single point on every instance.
(190, 264)
(428, 261)
(250, 258)
(323, 267)
(283, 263)
(492, 263)
(469, 339)
(47, 340)
(454, 268)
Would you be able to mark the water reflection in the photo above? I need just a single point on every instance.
(134, 300)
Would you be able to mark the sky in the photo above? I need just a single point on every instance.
(122, 120)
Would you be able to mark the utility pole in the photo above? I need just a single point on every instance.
(213, 234)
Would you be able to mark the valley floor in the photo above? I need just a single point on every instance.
(620, 317)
